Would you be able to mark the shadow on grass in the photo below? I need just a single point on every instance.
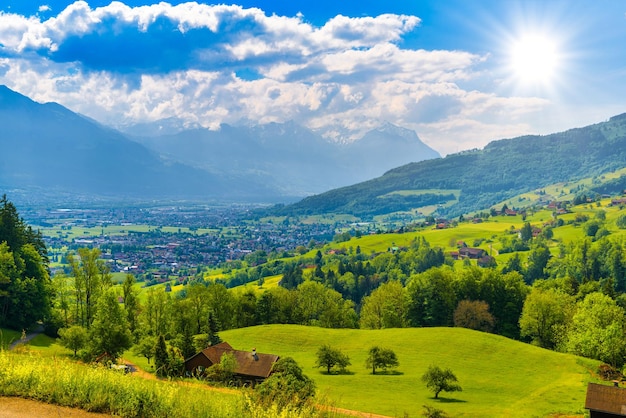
(448, 400)
(337, 373)
(388, 373)
(42, 341)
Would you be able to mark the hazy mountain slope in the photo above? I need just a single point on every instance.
(288, 156)
(502, 169)
(47, 146)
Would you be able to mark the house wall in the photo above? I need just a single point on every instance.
(197, 361)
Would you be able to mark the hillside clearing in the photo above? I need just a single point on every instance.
(500, 377)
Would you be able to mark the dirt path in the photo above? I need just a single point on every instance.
(27, 408)
(35, 332)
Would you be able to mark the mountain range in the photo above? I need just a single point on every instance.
(478, 179)
(47, 147)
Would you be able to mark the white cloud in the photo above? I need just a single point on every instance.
(121, 64)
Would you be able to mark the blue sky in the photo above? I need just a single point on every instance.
(459, 73)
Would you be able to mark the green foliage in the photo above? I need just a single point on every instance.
(101, 390)
(546, 315)
(109, 331)
(75, 338)
(330, 357)
(161, 358)
(440, 380)
(146, 346)
(432, 412)
(597, 330)
(385, 307)
(91, 277)
(287, 385)
(212, 336)
(381, 358)
(25, 287)
(549, 159)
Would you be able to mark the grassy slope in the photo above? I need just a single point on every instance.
(500, 377)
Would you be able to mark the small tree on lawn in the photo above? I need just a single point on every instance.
(382, 358)
(330, 357)
(145, 347)
(74, 337)
(439, 380)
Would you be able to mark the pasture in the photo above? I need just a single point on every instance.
(499, 377)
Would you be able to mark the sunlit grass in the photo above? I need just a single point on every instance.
(500, 377)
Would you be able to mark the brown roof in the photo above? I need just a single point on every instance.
(249, 363)
(605, 398)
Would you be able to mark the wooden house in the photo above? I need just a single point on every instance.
(605, 401)
(252, 367)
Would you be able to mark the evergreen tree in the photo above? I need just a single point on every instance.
(161, 359)
(25, 286)
(214, 326)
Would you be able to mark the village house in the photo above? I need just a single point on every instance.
(605, 401)
(252, 367)
(473, 253)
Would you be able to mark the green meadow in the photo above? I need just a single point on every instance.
(500, 377)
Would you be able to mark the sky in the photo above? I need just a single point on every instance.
(458, 73)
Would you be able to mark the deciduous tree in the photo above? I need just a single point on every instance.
(474, 314)
(330, 357)
(74, 338)
(440, 380)
(109, 331)
(597, 330)
(381, 358)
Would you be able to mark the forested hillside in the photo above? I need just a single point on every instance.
(484, 177)
(25, 286)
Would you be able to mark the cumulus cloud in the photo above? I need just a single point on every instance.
(122, 64)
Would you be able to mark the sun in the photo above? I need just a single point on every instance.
(534, 58)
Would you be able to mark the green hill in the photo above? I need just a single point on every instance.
(501, 170)
(499, 377)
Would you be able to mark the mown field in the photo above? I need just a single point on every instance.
(500, 377)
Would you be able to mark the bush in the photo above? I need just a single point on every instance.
(286, 387)
(608, 372)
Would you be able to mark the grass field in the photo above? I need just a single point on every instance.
(500, 377)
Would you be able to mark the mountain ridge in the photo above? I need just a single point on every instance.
(484, 177)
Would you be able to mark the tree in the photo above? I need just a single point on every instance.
(385, 307)
(330, 357)
(74, 338)
(526, 233)
(161, 359)
(91, 276)
(439, 380)
(381, 358)
(287, 385)
(212, 335)
(597, 330)
(25, 286)
(545, 316)
(145, 347)
(131, 303)
(474, 314)
(109, 331)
